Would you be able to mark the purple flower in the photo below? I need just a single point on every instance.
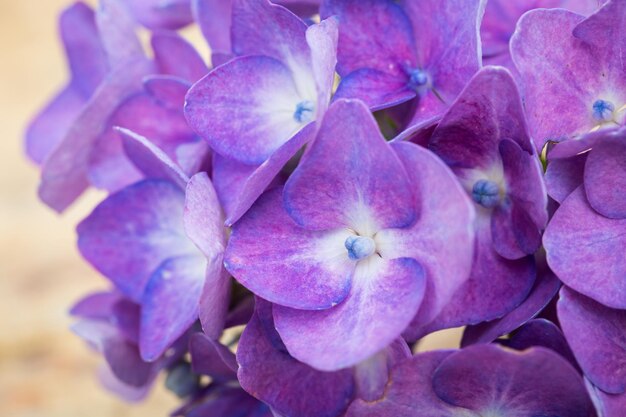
(276, 89)
(501, 17)
(590, 225)
(544, 290)
(483, 137)
(162, 246)
(161, 14)
(391, 52)
(215, 19)
(360, 232)
(597, 336)
(266, 368)
(482, 380)
(109, 322)
(557, 49)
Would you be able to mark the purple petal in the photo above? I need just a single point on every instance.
(160, 14)
(322, 40)
(263, 176)
(349, 175)
(209, 357)
(442, 238)
(409, 389)
(203, 217)
(118, 31)
(152, 161)
(229, 178)
(97, 305)
(373, 34)
(258, 92)
(537, 382)
(596, 334)
(609, 405)
(526, 192)
(88, 66)
(214, 18)
(545, 288)
(175, 56)
(377, 89)
(605, 177)
(177, 284)
(262, 28)
(47, 129)
(563, 176)
(300, 269)
(495, 287)
(542, 332)
(385, 295)
(85, 53)
(561, 75)
(64, 174)
(605, 31)
(204, 226)
(265, 372)
(448, 47)
(491, 97)
(121, 355)
(133, 231)
(577, 232)
(230, 401)
(127, 392)
(371, 376)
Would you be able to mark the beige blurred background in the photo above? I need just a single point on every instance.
(44, 370)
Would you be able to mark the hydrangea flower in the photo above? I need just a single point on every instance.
(501, 17)
(557, 49)
(109, 322)
(484, 138)
(391, 52)
(590, 223)
(346, 246)
(277, 87)
(471, 383)
(346, 270)
(162, 245)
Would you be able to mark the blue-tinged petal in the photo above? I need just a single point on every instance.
(605, 177)
(577, 232)
(133, 231)
(489, 378)
(265, 371)
(170, 303)
(442, 238)
(161, 14)
(349, 176)
(301, 268)
(376, 88)
(597, 336)
(258, 93)
(175, 56)
(384, 297)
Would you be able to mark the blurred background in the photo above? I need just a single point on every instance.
(45, 371)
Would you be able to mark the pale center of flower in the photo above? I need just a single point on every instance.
(359, 247)
(486, 193)
(603, 111)
(304, 112)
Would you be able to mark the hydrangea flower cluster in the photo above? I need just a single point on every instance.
(283, 226)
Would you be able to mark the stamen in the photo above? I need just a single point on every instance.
(304, 111)
(359, 247)
(486, 193)
(419, 80)
(603, 110)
